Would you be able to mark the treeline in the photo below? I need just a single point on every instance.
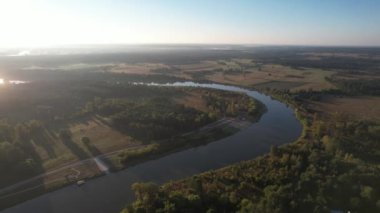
(334, 167)
(17, 153)
(152, 119)
(56, 101)
(224, 103)
(298, 57)
(357, 87)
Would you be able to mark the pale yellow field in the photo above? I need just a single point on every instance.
(261, 76)
(279, 77)
(363, 108)
(243, 72)
(102, 136)
(54, 153)
(139, 68)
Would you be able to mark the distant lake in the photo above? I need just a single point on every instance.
(112, 192)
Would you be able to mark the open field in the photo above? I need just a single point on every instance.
(243, 72)
(103, 137)
(277, 77)
(360, 108)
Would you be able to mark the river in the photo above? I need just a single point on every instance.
(111, 192)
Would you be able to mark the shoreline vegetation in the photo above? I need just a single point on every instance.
(177, 133)
(319, 172)
(191, 140)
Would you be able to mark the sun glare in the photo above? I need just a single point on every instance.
(1, 81)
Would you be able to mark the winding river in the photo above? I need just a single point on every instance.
(110, 193)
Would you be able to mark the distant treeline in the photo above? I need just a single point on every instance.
(298, 57)
(357, 87)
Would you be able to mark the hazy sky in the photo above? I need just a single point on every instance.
(313, 22)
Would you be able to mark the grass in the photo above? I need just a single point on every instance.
(54, 153)
(277, 77)
(235, 71)
(363, 107)
(101, 135)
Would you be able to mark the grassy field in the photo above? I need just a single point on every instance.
(243, 72)
(236, 71)
(278, 77)
(102, 136)
(363, 107)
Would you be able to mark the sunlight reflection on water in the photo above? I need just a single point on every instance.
(3, 81)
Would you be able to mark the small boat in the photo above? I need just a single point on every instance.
(80, 182)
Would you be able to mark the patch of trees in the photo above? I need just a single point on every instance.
(152, 119)
(160, 117)
(298, 57)
(357, 87)
(224, 103)
(17, 154)
(58, 101)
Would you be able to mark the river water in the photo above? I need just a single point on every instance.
(110, 193)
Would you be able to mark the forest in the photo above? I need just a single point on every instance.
(17, 155)
(333, 166)
(152, 119)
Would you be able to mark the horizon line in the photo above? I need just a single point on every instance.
(187, 44)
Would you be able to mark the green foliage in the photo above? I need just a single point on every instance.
(17, 154)
(152, 119)
(146, 195)
(230, 104)
(85, 140)
(357, 87)
(333, 167)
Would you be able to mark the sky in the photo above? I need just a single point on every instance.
(279, 22)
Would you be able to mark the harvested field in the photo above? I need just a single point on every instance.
(364, 108)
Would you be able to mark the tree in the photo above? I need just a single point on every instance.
(65, 134)
(146, 194)
(85, 140)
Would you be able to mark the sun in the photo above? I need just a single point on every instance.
(1, 81)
